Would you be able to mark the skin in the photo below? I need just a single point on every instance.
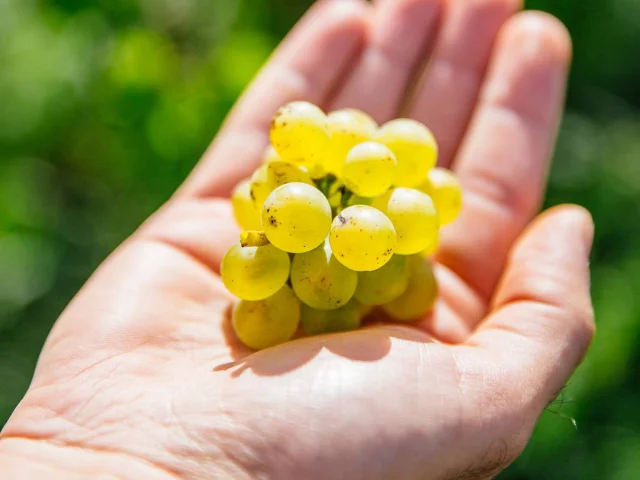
(141, 378)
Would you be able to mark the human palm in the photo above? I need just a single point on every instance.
(142, 378)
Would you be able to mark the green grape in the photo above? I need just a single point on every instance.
(254, 273)
(270, 155)
(385, 284)
(415, 149)
(445, 190)
(244, 209)
(362, 238)
(320, 280)
(296, 217)
(267, 322)
(317, 322)
(419, 297)
(270, 176)
(349, 127)
(413, 216)
(370, 169)
(300, 134)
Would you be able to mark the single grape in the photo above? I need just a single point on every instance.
(413, 216)
(270, 155)
(270, 176)
(300, 134)
(320, 280)
(317, 322)
(445, 190)
(267, 322)
(349, 127)
(370, 169)
(244, 209)
(415, 149)
(362, 238)
(385, 284)
(421, 294)
(296, 217)
(254, 273)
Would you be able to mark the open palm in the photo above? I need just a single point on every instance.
(141, 377)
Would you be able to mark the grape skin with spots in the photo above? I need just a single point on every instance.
(300, 134)
(370, 169)
(320, 280)
(296, 217)
(273, 175)
(362, 238)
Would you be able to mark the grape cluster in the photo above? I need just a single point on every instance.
(338, 220)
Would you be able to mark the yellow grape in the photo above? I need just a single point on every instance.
(269, 322)
(254, 273)
(270, 176)
(415, 149)
(446, 191)
(362, 238)
(300, 134)
(419, 297)
(414, 218)
(385, 284)
(244, 209)
(320, 280)
(370, 169)
(349, 127)
(318, 322)
(296, 217)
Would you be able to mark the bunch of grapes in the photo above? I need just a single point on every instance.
(339, 220)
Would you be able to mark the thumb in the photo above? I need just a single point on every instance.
(542, 321)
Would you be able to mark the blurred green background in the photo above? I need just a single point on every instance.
(105, 105)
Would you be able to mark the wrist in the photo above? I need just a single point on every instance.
(22, 458)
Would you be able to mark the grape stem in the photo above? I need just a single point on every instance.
(253, 238)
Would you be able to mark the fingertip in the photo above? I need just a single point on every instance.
(575, 217)
(541, 33)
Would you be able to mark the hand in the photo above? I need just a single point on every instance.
(141, 377)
